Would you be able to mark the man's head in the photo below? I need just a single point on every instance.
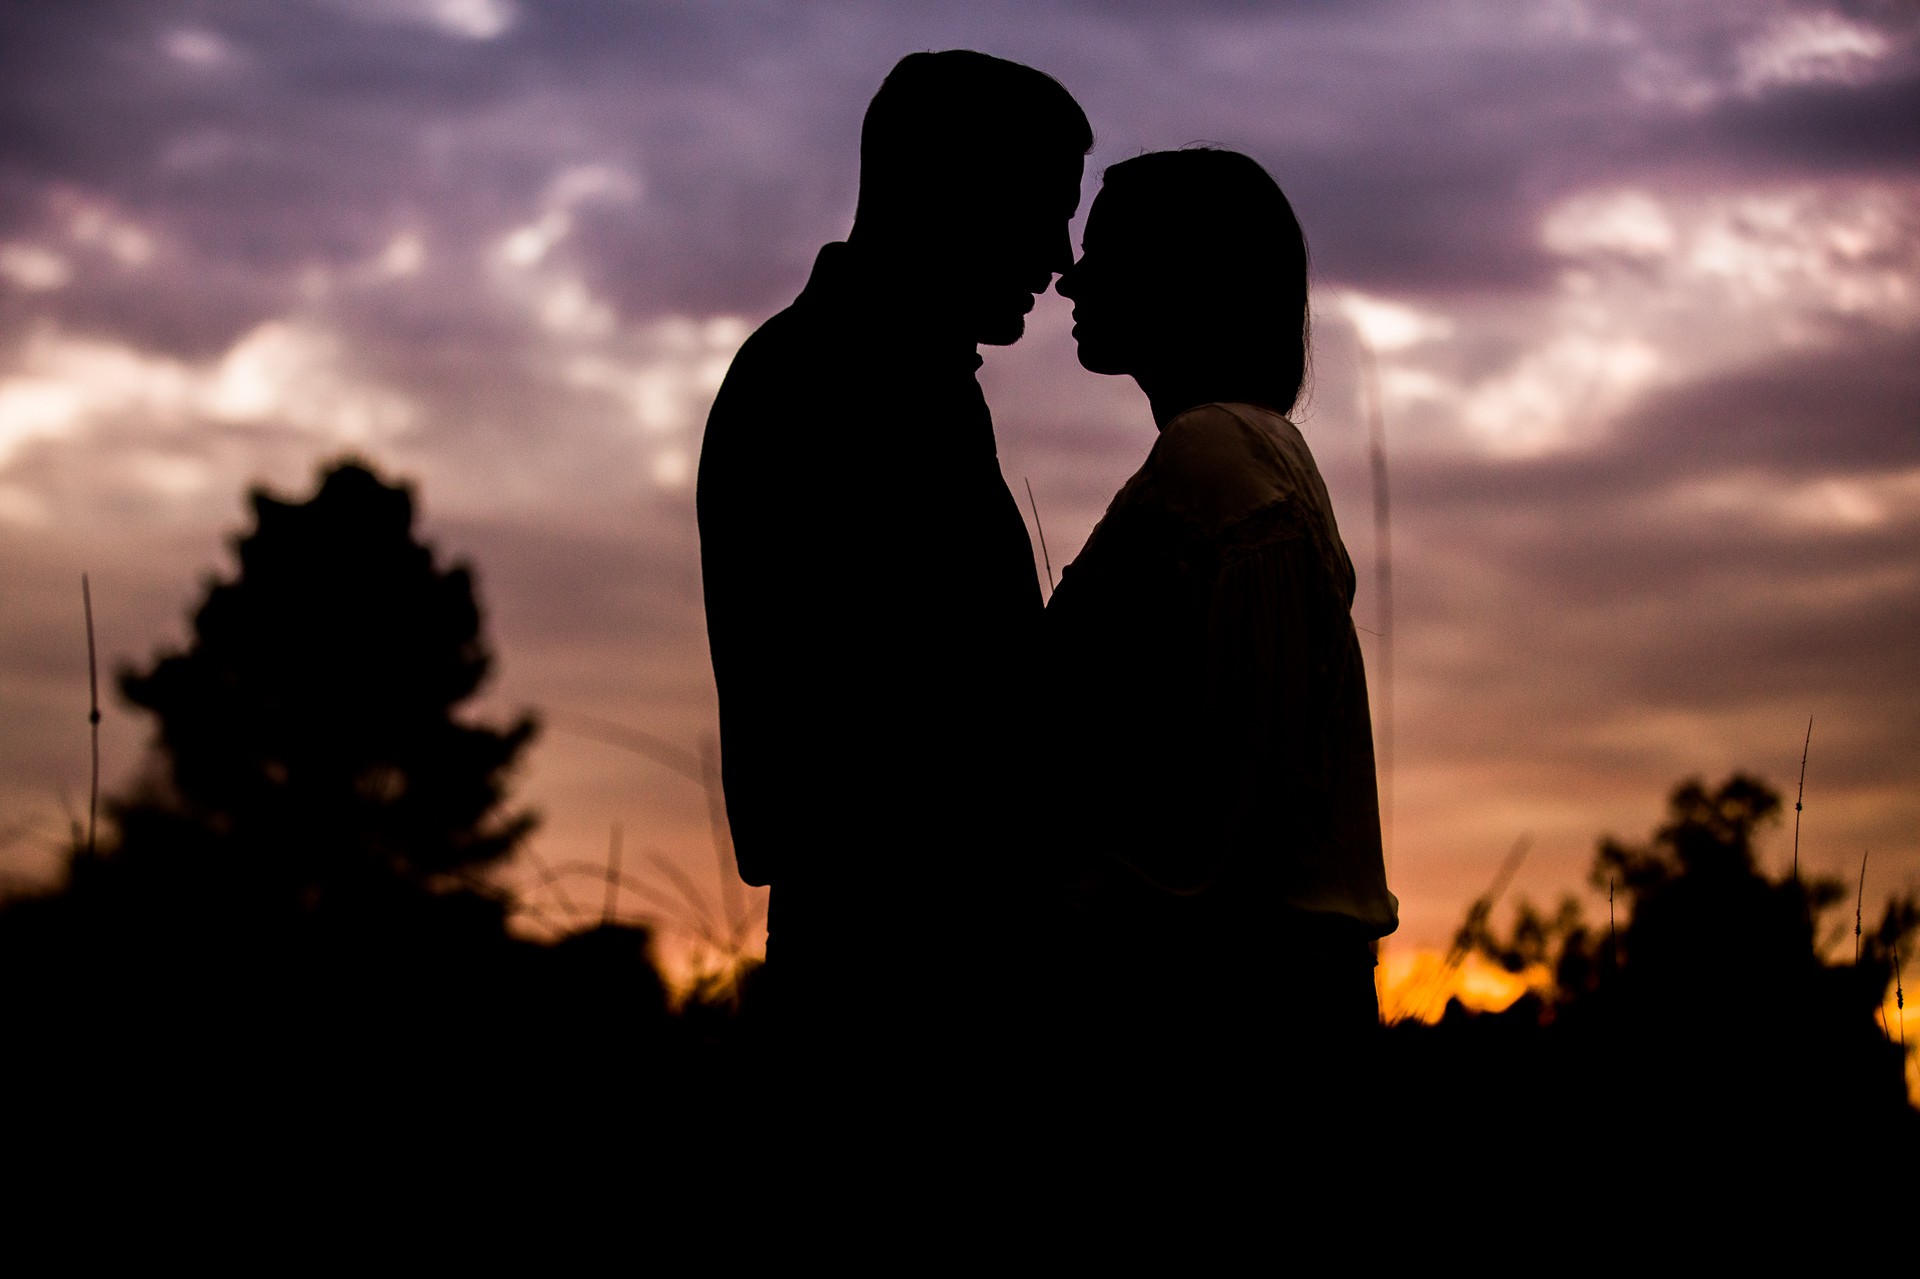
(969, 172)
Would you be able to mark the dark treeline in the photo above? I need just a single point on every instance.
(287, 927)
(287, 930)
(1693, 1042)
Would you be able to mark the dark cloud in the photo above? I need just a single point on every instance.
(1846, 411)
(1827, 128)
(312, 137)
(1822, 413)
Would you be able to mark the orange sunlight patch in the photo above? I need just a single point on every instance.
(1416, 984)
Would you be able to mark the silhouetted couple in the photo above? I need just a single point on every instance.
(1130, 837)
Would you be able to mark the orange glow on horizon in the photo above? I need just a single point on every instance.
(1416, 984)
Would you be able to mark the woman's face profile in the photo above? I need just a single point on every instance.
(1124, 290)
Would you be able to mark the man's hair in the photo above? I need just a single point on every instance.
(943, 121)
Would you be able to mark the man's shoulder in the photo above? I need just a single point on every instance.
(775, 371)
(780, 419)
(784, 340)
(800, 360)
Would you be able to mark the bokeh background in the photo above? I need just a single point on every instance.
(1640, 280)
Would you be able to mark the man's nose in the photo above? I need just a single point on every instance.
(1066, 284)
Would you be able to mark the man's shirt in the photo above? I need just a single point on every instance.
(872, 609)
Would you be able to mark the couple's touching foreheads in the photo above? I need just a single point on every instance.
(1126, 840)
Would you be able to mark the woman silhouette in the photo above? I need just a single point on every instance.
(1219, 779)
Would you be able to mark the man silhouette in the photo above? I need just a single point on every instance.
(870, 588)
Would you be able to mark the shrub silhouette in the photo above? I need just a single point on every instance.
(1705, 924)
(1701, 928)
(1708, 1023)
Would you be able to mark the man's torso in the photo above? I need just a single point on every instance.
(871, 608)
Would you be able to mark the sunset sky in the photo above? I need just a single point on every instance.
(1643, 280)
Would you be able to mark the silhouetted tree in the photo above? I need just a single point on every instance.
(312, 755)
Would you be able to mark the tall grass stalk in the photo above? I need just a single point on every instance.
(548, 877)
(658, 749)
(481, 886)
(1418, 1005)
(685, 885)
(1858, 900)
(725, 931)
(1035, 508)
(1899, 1000)
(613, 877)
(1799, 797)
(670, 911)
(93, 714)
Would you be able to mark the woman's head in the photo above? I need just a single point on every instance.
(1193, 268)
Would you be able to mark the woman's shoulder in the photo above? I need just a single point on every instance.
(1216, 464)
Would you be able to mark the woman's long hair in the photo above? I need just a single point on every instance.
(1231, 236)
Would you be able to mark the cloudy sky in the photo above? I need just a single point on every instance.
(1643, 281)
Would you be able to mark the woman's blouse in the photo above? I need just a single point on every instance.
(1218, 747)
